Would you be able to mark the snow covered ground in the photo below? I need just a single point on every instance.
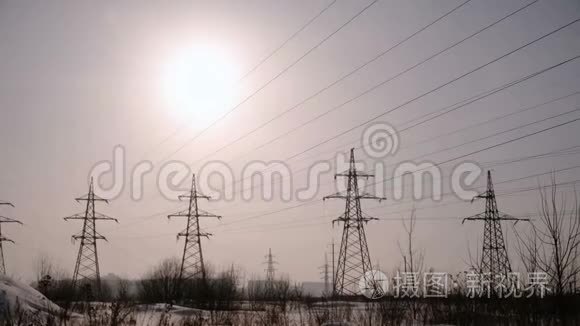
(19, 299)
(22, 304)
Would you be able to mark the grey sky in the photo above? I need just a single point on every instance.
(79, 78)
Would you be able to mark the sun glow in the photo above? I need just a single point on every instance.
(199, 83)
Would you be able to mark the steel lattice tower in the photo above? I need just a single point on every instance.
(325, 271)
(192, 265)
(494, 259)
(4, 239)
(87, 264)
(354, 261)
(270, 269)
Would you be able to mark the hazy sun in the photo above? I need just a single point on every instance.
(199, 82)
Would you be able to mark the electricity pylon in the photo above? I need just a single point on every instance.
(354, 261)
(325, 271)
(270, 269)
(494, 260)
(192, 265)
(87, 264)
(3, 238)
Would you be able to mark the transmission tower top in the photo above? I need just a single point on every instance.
(192, 263)
(354, 261)
(87, 269)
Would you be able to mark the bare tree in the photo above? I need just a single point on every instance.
(52, 280)
(412, 257)
(44, 273)
(412, 260)
(552, 246)
(161, 283)
(527, 246)
(122, 306)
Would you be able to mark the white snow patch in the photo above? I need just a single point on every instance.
(15, 295)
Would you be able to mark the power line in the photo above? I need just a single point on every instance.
(471, 100)
(503, 116)
(486, 137)
(496, 134)
(247, 98)
(263, 60)
(510, 192)
(388, 80)
(433, 90)
(467, 102)
(418, 170)
(440, 87)
(494, 146)
(263, 228)
(302, 28)
(332, 84)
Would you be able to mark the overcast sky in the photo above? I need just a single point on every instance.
(80, 77)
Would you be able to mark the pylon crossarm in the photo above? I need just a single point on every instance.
(188, 196)
(203, 213)
(507, 217)
(4, 239)
(482, 195)
(95, 198)
(476, 217)
(5, 203)
(96, 237)
(4, 219)
(369, 196)
(79, 216)
(204, 234)
(340, 219)
(219, 217)
(358, 175)
(366, 218)
(193, 233)
(100, 237)
(99, 216)
(344, 173)
(184, 213)
(338, 195)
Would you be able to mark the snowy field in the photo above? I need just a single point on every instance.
(22, 305)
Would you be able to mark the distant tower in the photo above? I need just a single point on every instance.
(494, 259)
(3, 238)
(325, 271)
(354, 260)
(192, 265)
(270, 262)
(86, 270)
